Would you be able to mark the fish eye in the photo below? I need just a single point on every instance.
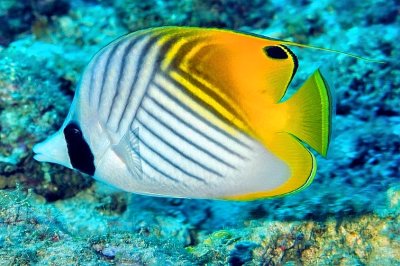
(275, 52)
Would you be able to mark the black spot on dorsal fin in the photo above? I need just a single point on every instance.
(275, 52)
(295, 61)
(282, 52)
(79, 152)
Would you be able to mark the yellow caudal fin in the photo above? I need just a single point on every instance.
(308, 120)
(310, 112)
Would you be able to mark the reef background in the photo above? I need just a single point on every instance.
(50, 215)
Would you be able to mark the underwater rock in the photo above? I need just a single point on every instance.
(73, 231)
(50, 7)
(367, 12)
(18, 16)
(366, 239)
(15, 17)
(370, 87)
(35, 232)
(112, 203)
(231, 14)
(109, 252)
(31, 105)
(71, 40)
(241, 254)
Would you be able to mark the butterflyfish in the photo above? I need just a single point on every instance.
(194, 113)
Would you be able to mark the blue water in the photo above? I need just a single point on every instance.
(349, 215)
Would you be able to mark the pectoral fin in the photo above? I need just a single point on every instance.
(128, 150)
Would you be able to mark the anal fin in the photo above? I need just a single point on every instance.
(299, 159)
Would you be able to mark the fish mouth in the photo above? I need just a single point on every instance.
(39, 154)
(52, 150)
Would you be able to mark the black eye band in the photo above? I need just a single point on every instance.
(79, 152)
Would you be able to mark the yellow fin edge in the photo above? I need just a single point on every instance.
(282, 191)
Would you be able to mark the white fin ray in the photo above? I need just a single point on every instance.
(128, 150)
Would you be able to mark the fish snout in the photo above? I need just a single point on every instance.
(53, 150)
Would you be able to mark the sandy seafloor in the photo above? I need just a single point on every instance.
(50, 215)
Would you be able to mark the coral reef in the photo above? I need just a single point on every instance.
(226, 13)
(31, 233)
(26, 116)
(20, 16)
(74, 231)
(348, 216)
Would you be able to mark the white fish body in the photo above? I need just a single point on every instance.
(135, 126)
